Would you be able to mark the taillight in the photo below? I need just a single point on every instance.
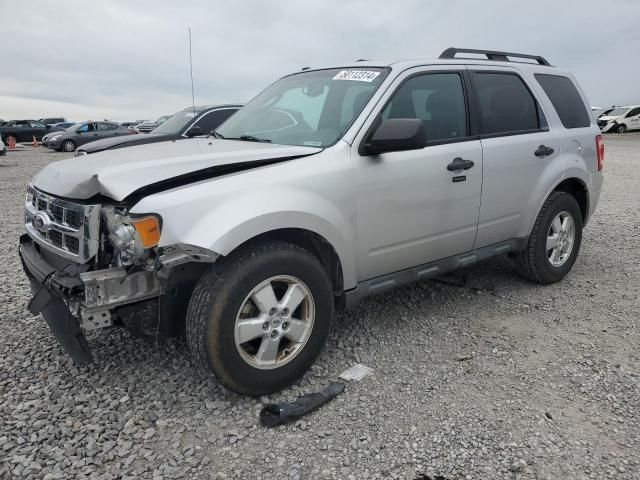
(600, 151)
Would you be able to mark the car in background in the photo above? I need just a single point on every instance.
(64, 125)
(52, 120)
(25, 130)
(620, 120)
(146, 127)
(81, 133)
(184, 124)
(130, 124)
(46, 137)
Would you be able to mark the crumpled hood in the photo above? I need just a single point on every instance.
(608, 118)
(118, 173)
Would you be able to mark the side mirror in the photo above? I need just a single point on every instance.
(194, 131)
(397, 134)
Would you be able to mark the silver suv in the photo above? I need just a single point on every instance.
(329, 186)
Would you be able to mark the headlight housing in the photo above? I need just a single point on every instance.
(132, 236)
(54, 137)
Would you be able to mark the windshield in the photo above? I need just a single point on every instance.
(73, 127)
(175, 124)
(311, 108)
(618, 111)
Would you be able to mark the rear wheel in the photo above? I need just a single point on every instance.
(68, 146)
(261, 317)
(555, 240)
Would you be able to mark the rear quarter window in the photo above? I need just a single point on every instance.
(565, 99)
(506, 104)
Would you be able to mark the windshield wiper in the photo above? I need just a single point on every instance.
(214, 133)
(251, 138)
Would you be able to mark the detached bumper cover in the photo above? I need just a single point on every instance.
(52, 289)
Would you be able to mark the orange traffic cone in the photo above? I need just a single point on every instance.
(12, 143)
(34, 144)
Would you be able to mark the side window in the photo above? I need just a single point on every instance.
(506, 105)
(436, 98)
(212, 120)
(633, 112)
(565, 99)
(106, 126)
(84, 128)
(36, 125)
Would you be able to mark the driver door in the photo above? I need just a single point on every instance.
(411, 209)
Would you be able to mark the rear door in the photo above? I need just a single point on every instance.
(106, 130)
(37, 129)
(517, 148)
(411, 209)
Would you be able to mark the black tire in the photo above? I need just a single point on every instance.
(621, 129)
(221, 292)
(67, 146)
(533, 263)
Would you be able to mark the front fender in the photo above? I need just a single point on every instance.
(220, 221)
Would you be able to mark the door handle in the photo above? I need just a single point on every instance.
(460, 164)
(543, 151)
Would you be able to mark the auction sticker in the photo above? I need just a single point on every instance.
(357, 75)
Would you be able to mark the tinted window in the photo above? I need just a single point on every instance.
(565, 99)
(506, 105)
(437, 99)
(633, 112)
(37, 125)
(213, 120)
(107, 126)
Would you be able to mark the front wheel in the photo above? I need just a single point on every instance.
(68, 146)
(622, 129)
(260, 318)
(555, 240)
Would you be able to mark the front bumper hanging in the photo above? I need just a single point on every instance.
(51, 288)
(74, 300)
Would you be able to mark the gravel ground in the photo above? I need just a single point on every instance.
(496, 379)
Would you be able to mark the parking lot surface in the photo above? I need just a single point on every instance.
(492, 378)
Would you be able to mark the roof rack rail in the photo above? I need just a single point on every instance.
(493, 55)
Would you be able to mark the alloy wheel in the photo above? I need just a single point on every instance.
(560, 239)
(275, 322)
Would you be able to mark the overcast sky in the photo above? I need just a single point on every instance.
(128, 60)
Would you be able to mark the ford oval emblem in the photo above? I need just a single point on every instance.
(41, 221)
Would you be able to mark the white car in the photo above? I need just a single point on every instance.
(3, 149)
(621, 120)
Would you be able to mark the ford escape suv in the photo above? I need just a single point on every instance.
(331, 185)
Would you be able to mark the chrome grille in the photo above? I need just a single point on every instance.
(65, 228)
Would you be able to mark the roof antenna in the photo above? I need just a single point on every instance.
(193, 96)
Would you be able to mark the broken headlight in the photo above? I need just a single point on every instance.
(132, 236)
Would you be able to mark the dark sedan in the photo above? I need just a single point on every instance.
(183, 124)
(25, 130)
(81, 133)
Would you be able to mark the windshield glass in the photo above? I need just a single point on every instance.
(73, 127)
(311, 108)
(175, 124)
(617, 111)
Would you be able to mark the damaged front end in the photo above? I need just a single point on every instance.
(93, 266)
